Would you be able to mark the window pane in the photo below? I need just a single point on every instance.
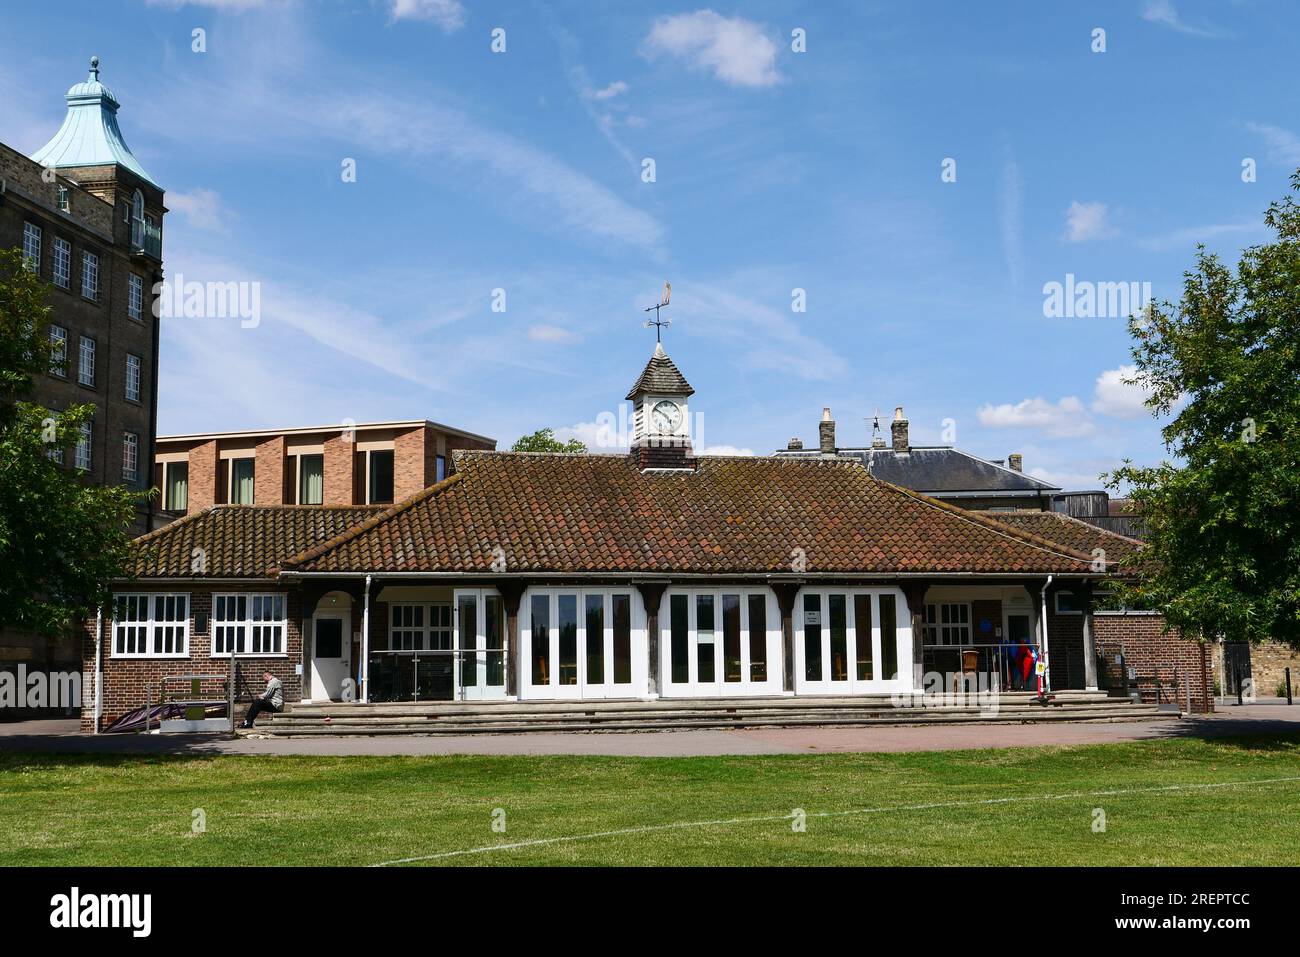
(567, 609)
(679, 612)
(888, 637)
(862, 631)
(757, 637)
(595, 622)
(839, 625)
(704, 639)
(381, 477)
(622, 612)
(540, 614)
(311, 480)
(468, 640)
(241, 481)
(731, 638)
(812, 637)
(494, 613)
(178, 486)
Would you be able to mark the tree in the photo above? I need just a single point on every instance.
(1223, 527)
(61, 540)
(544, 440)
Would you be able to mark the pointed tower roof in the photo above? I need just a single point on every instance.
(660, 376)
(89, 135)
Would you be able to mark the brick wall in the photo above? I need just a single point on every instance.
(268, 472)
(1065, 649)
(414, 462)
(1151, 650)
(125, 679)
(1268, 663)
(203, 476)
(340, 471)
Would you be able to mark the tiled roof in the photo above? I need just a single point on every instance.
(940, 469)
(561, 513)
(660, 377)
(239, 541)
(1071, 532)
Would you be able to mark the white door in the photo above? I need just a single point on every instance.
(851, 641)
(582, 643)
(720, 643)
(480, 671)
(331, 659)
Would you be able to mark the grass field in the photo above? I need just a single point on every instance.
(1188, 802)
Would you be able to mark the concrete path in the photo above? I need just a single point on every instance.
(1267, 716)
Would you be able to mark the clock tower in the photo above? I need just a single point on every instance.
(661, 426)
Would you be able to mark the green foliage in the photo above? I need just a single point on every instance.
(61, 540)
(544, 440)
(1223, 528)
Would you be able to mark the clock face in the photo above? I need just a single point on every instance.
(666, 416)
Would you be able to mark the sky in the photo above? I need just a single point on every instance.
(859, 205)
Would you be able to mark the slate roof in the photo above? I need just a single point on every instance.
(566, 513)
(1071, 532)
(660, 377)
(240, 541)
(943, 469)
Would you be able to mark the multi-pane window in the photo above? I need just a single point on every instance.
(137, 220)
(248, 624)
(86, 361)
(133, 377)
(130, 456)
(62, 263)
(947, 624)
(134, 297)
(32, 247)
(419, 627)
(64, 205)
(89, 275)
(82, 457)
(147, 626)
(59, 351)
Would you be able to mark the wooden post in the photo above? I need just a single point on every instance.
(652, 595)
(914, 592)
(785, 595)
(1089, 644)
(512, 591)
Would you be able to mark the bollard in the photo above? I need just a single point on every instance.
(1288, 686)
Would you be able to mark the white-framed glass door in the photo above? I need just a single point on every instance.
(480, 645)
(582, 643)
(851, 641)
(719, 642)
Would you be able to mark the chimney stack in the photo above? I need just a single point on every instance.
(796, 445)
(1015, 462)
(898, 429)
(826, 432)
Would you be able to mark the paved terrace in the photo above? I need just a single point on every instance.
(1265, 717)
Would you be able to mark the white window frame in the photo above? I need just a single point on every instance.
(90, 276)
(420, 637)
(137, 220)
(86, 361)
(84, 455)
(130, 456)
(719, 687)
(297, 477)
(134, 297)
(932, 624)
(62, 263)
(32, 247)
(852, 684)
(249, 627)
(62, 198)
(583, 688)
(479, 689)
(132, 387)
(59, 361)
(146, 634)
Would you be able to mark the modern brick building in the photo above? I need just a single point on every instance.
(88, 219)
(375, 463)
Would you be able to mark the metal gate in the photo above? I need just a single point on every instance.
(1236, 667)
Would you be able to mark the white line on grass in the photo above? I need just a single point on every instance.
(678, 825)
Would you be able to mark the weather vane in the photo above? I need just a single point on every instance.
(662, 304)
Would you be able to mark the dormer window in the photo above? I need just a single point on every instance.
(137, 220)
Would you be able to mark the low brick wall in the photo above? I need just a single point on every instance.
(1153, 651)
(1268, 663)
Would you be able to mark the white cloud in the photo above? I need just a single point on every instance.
(1064, 419)
(617, 88)
(1166, 14)
(735, 50)
(599, 436)
(546, 333)
(447, 14)
(1086, 221)
(1070, 479)
(726, 450)
(1283, 145)
(1117, 399)
(202, 208)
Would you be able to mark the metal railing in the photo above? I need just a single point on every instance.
(1002, 664)
(195, 699)
(430, 674)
